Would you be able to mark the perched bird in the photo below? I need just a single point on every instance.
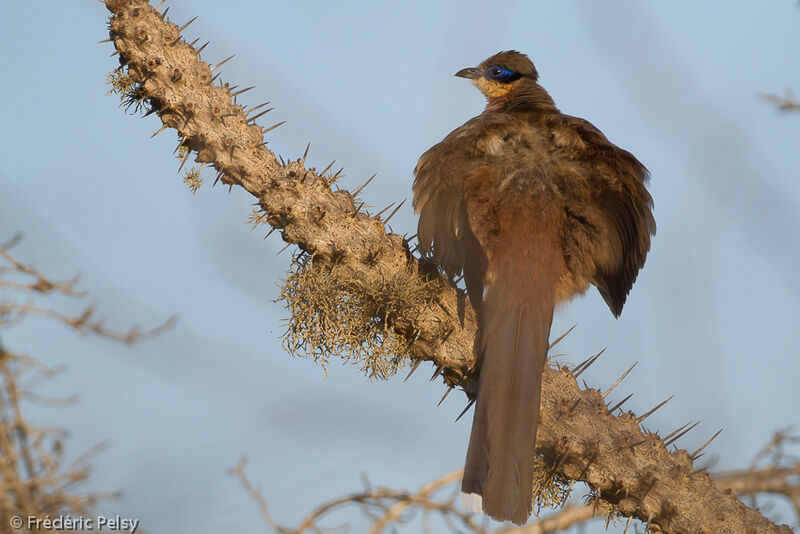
(532, 206)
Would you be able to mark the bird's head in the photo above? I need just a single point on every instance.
(500, 74)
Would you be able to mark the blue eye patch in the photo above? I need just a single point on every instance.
(502, 74)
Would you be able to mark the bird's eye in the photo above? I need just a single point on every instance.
(502, 74)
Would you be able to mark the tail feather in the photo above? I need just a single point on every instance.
(499, 464)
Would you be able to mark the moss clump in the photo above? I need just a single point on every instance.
(550, 488)
(333, 314)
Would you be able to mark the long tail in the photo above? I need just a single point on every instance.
(517, 313)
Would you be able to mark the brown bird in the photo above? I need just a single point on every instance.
(532, 206)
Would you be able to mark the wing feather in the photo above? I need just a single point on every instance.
(613, 208)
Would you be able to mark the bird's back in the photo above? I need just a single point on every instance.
(532, 206)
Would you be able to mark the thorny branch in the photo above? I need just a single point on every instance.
(630, 470)
(387, 508)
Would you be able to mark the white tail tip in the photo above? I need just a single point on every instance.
(472, 502)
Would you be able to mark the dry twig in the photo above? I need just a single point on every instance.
(779, 477)
(788, 102)
(34, 480)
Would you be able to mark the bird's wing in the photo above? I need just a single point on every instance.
(440, 177)
(609, 211)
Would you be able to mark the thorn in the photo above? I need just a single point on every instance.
(446, 393)
(283, 163)
(395, 211)
(413, 368)
(221, 63)
(561, 462)
(648, 414)
(114, 54)
(219, 175)
(568, 492)
(586, 469)
(252, 119)
(214, 78)
(263, 131)
(201, 48)
(255, 108)
(159, 131)
(584, 366)
(149, 112)
(194, 42)
(580, 365)
(335, 176)
(696, 454)
(164, 14)
(562, 336)
(180, 144)
(237, 93)
(668, 441)
(357, 191)
(188, 153)
(435, 373)
(326, 169)
(104, 41)
(378, 216)
(161, 5)
(284, 248)
(303, 161)
(184, 27)
(270, 232)
(469, 405)
(627, 524)
(609, 390)
(620, 403)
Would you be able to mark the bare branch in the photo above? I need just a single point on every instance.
(401, 507)
(788, 102)
(12, 312)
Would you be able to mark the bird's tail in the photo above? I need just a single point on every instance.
(517, 313)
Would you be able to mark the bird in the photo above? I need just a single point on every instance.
(531, 206)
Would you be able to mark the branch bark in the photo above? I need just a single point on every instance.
(631, 470)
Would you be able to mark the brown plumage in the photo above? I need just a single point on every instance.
(531, 206)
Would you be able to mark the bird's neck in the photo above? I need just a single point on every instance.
(526, 98)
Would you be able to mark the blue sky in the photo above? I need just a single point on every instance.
(712, 319)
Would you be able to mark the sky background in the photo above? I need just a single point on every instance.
(712, 319)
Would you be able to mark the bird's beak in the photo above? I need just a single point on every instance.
(471, 73)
